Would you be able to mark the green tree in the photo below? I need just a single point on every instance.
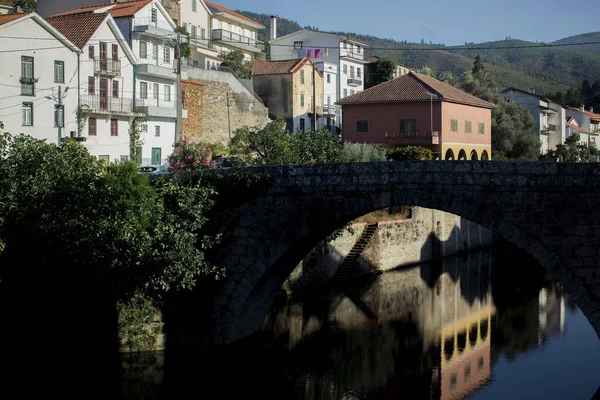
(185, 46)
(363, 152)
(449, 78)
(426, 71)
(235, 61)
(384, 70)
(28, 5)
(571, 151)
(512, 125)
(408, 153)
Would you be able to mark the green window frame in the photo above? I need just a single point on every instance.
(27, 76)
(482, 128)
(59, 71)
(468, 126)
(27, 114)
(453, 125)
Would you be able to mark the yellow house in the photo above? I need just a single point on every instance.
(288, 88)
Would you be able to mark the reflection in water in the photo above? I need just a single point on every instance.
(434, 331)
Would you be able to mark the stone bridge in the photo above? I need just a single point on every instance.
(551, 210)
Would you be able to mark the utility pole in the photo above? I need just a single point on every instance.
(314, 82)
(228, 118)
(179, 126)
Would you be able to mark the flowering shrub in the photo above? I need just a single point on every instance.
(190, 157)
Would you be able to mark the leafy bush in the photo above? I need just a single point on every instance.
(363, 152)
(408, 153)
(190, 157)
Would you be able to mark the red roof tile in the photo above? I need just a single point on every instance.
(218, 7)
(414, 87)
(123, 9)
(11, 17)
(276, 67)
(78, 28)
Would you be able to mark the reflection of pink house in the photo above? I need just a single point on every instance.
(416, 109)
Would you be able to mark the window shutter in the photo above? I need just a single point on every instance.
(91, 85)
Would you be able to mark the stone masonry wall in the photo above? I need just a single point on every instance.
(226, 105)
(192, 92)
(173, 9)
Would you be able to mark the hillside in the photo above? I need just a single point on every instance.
(545, 69)
(586, 37)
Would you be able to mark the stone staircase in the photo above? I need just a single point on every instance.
(350, 265)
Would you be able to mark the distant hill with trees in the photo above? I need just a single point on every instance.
(545, 69)
(584, 38)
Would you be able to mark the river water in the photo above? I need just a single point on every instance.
(489, 324)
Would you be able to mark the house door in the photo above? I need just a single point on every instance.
(103, 93)
(156, 155)
(103, 56)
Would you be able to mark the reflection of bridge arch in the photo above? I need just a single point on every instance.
(475, 329)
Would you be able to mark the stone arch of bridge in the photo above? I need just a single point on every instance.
(243, 311)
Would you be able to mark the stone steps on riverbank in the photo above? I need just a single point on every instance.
(350, 264)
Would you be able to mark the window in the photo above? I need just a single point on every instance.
(144, 127)
(124, 158)
(408, 127)
(194, 6)
(345, 92)
(59, 71)
(155, 91)
(344, 45)
(482, 128)
(453, 380)
(302, 127)
(27, 76)
(362, 126)
(91, 85)
(328, 100)
(351, 92)
(92, 126)
(352, 71)
(345, 69)
(357, 49)
(115, 51)
(298, 45)
(358, 72)
(302, 76)
(157, 130)
(467, 371)
(115, 88)
(302, 100)
(143, 90)
(167, 55)
(468, 126)
(193, 31)
(27, 114)
(202, 33)
(184, 25)
(207, 64)
(143, 49)
(114, 127)
(167, 93)
(154, 15)
(480, 363)
(453, 125)
(59, 115)
(328, 78)
(91, 52)
(154, 51)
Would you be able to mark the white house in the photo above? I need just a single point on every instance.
(587, 120)
(341, 59)
(106, 75)
(38, 78)
(150, 33)
(573, 128)
(549, 116)
(233, 31)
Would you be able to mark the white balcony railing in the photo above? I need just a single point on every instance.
(233, 38)
(108, 104)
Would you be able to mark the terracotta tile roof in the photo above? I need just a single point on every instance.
(218, 7)
(78, 28)
(11, 17)
(577, 128)
(276, 67)
(123, 9)
(414, 87)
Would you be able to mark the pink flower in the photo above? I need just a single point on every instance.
(189, 157)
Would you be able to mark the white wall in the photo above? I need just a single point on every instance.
(165, 141)
(11, 100)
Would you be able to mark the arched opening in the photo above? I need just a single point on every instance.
(449, 155)
(462, 155)
(474, 155)
(485, 156)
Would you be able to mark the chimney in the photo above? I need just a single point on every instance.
(591, 109)
(273, 28)
(582, 108)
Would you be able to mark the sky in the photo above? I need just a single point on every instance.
(450, 22)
